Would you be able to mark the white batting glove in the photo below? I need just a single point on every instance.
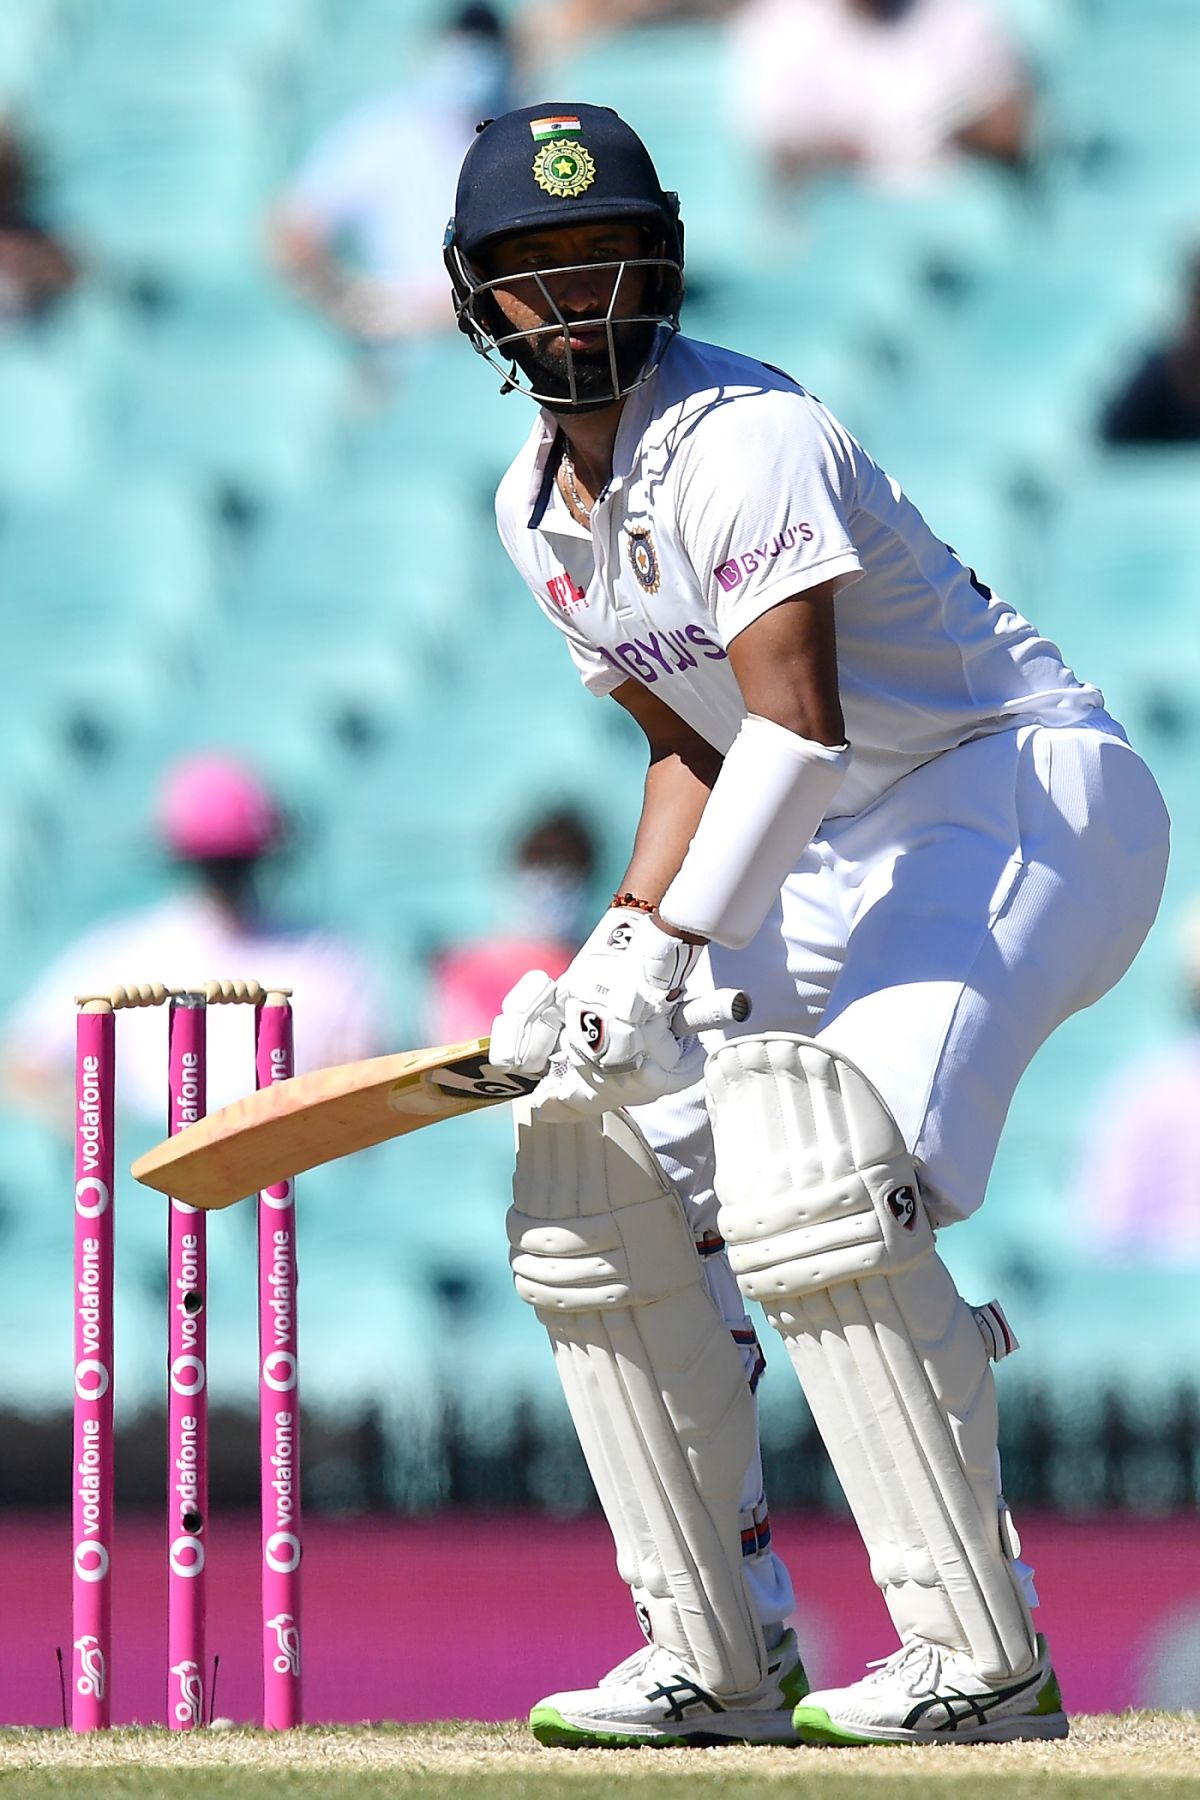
(583, 1088)
(526, 1029)
(617, 998)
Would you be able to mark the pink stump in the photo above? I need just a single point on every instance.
(187, 1403)
(92, 1468)
(279, 1408)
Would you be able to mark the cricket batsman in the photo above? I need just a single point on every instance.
(879, 802)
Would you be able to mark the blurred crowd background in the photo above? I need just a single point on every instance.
(273, 697)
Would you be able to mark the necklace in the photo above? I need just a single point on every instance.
(573, 494)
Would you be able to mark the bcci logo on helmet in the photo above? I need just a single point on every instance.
(564, 168)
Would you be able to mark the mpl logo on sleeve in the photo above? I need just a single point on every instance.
(564, 593)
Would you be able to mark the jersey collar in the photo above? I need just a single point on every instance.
(635, 416)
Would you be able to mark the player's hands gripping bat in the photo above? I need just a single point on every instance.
(607, 1034)
(293, 1125)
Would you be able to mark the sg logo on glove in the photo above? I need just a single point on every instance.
(593, 1028)
(621, 936)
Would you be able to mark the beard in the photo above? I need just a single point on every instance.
(548, 364)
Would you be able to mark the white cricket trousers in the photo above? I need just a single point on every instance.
(937, 939)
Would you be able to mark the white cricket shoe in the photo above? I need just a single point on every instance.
(924, 1694)
(653, 1698)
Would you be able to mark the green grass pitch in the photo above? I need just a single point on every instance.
(1105, 1757)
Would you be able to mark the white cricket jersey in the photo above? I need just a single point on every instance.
(732, 490)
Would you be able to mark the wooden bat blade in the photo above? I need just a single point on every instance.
(281, 1130)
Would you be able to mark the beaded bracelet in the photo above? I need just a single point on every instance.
(633, 903)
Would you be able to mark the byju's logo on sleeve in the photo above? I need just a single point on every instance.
(730, 574)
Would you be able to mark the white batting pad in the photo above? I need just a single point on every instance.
(821, 1210)
(655, 1385)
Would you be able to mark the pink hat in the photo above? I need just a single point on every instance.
(212, 805)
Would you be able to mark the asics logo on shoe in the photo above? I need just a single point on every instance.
(682, 1697)
(968, 1709)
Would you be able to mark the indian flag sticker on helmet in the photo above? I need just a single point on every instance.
(556, 125)
(564, 168)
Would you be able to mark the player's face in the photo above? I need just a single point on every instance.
(562, 295)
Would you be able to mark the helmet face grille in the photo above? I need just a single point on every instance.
(540, 362)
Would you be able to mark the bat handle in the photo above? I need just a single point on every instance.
(725, 1006)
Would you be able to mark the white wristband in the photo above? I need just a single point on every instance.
(773, 791)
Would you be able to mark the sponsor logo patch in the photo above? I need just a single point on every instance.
(92, 1678)
(475, 1078)
(902, 1204)
(564, 593)
(189, 1706)
(287, 1637)
(748, 562)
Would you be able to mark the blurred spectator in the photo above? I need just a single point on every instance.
(548, 30)
(1160, 403)
(895, 89)
(35, 268)
(359, 232)
(218, 824)
(1138, 1189)
(552, 867)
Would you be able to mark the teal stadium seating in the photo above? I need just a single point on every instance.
(249, 406)
(48, 444)
(27, 35)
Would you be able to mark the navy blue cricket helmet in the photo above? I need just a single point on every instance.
(558, 164)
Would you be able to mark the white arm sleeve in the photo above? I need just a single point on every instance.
(772, 793)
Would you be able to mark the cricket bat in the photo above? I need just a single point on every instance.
(293, 1125)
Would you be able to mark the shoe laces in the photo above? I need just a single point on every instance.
(632, 1666)
(914, 1666)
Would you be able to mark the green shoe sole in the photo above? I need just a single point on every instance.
(813, 1725)
(551, 1729)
